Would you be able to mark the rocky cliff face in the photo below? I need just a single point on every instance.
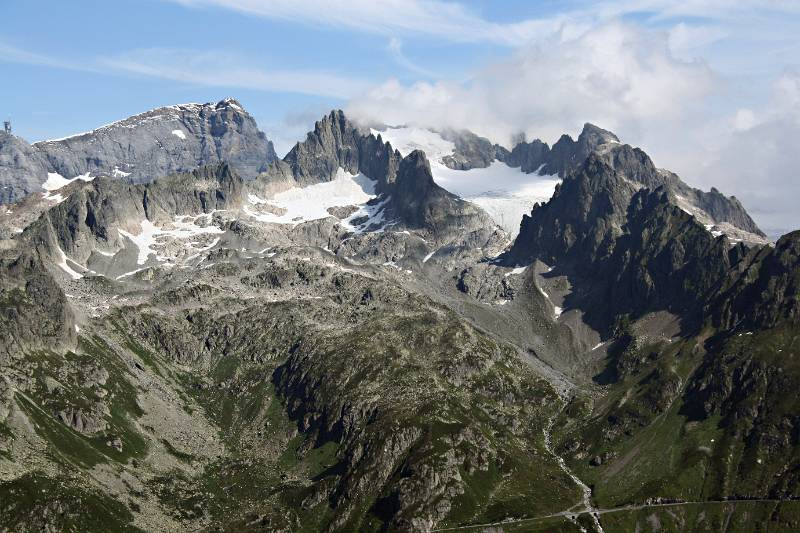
(338, 143)
(763, 290)
(582, 220)
(639, 250)
(91, 218)
(35, 312)
(471, 151)
(664, 260)
(22, 168)
(165, 141)
(142, 148)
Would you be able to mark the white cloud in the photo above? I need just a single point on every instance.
(221, 69)
(757, 158)
(617, 76)
(744, 119)
(396, 50)
(686, 42)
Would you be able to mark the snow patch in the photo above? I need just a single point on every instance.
(62, 262)
(117, 173)
(505, 193)
(253, 199)
(517, 270)
(56, 181)
(302, 204)
(131, 273)
(182, 228)
(406, 140)
(179, 134)
(713, 230)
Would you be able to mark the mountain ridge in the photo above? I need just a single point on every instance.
(142, 147)
(341, 343)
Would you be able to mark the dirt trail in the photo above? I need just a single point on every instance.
(586, 501)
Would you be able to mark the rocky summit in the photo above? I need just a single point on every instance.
(140, 148)
(388, 329)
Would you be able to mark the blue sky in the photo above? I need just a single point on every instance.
(710, 88)
(62, 77)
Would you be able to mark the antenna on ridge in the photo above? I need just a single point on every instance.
(7, 126)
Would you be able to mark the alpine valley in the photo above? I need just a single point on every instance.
(389, 329)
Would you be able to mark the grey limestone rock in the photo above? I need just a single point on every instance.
(21, 168)
(141, 148)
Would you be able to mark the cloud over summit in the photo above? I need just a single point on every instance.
(618, 76)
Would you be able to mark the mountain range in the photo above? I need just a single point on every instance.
(389, 329)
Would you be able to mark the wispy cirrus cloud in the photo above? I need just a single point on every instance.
(396, 50)
(13, 54)
(446, 20)
(225, 69)
(209, 68)
(451, 21)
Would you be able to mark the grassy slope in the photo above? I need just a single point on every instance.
(662, 447)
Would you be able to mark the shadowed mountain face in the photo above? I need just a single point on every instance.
(634, 248)
(141, 148)
(339, 343)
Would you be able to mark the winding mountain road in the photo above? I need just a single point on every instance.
(572, 515)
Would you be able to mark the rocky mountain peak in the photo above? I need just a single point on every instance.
(141, 148)
(21, 168)
(231, 102)
(593, 136)
(335, 143)
(587, 211)
(406, 185)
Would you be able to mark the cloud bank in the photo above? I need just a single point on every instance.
(617, 76)
(756, 156)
